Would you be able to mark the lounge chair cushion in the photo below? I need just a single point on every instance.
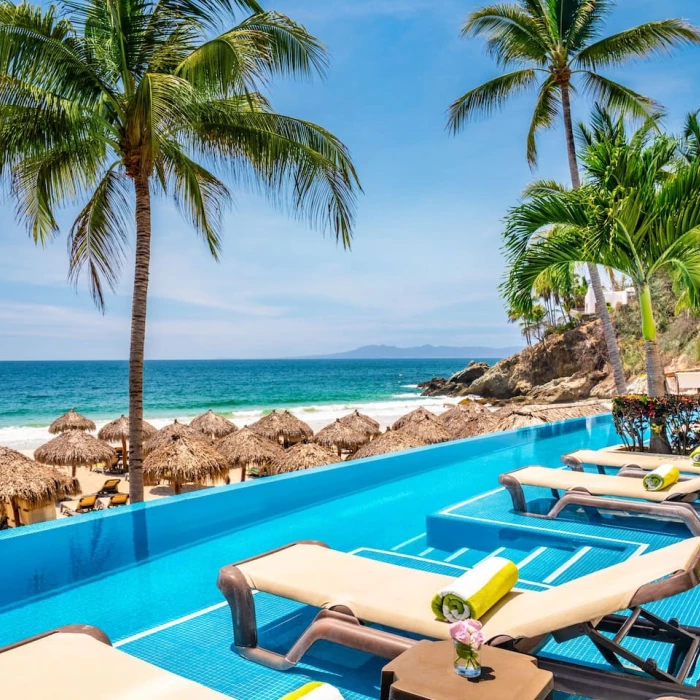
(601, 484)
(71, 661)
(618, 458)
(399, 597)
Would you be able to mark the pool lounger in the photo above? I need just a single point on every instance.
(78, 661)
(605, 492)
(351, 590)
(619, 459)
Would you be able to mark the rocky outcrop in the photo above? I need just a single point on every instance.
(458, 384)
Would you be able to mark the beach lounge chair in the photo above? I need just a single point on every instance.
(86, 504)
(351, 590)
(109, 487)
(620, 459)
(606, 492)
(51, 665)
(119, 499)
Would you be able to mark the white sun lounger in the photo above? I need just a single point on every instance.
(621, 459)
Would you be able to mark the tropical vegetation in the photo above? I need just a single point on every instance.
(555, 47)
(107, 103)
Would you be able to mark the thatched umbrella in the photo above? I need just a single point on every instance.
(391, 441)
(362, 424)
(118, 431)
(302, 456)
(245, 449)
(162, 437)
(468, 419)
(417, 415)
(75, 448)
(284, 427)
(182, 460)
(513, 417)
(427, 429)
(341, 437)
(23, 480)
(213, 425)
(71, 421)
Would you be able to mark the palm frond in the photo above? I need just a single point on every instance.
(546, 111)
(619, 98)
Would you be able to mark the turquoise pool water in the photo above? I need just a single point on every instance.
(147, 577)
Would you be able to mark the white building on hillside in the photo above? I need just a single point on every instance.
(615, 299)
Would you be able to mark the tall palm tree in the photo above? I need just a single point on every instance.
(110, 102)
(551, 43)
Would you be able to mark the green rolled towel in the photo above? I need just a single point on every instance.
(475, 592)
(661, 478)
(695, 456)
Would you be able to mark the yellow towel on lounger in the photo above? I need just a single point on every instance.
(314, 691)
(475, 592)
(661, 478)
(695, 456)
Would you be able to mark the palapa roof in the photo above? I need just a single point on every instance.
(183, 459)
(418, 414)
(246, 447)
(302, 456)
(119, 430)
(23, 478)
(513, 417)
(162, 437)
(75, 448)
(361, 423)
(391, 441)
(210, 423)
(282, 425)
(340, 435)
(427, 429)
(468, 419)
(71, 421)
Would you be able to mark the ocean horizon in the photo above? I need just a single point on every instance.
(34, 393)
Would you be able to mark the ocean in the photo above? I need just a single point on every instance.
(32, 394)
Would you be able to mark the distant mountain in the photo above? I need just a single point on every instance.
(391, 352)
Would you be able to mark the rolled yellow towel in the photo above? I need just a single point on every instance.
(661, 478)
(314, 691)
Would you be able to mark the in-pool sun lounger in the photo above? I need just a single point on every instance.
(351, 590)
(51, 665)
(620, 459)
(604, 492)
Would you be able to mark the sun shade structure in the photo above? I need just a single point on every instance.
(284, 428)
(418, 414)
(391, 441)
(362, 424)
(302, 456)
(75, 448)
(526, 416)
(162, 437)
(429, 430)
(26, 484)
(71, 421)
(118, 431)
(182, 459)
(213, 425)
(245, 449)
(339, 436)
(467, 420)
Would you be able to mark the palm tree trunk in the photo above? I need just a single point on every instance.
(138, 336)
(601, 306)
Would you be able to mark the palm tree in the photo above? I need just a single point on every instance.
(549, 43)
(114, 100)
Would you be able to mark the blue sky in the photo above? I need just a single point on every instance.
(425, 263)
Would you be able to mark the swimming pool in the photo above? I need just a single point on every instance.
(147, 575)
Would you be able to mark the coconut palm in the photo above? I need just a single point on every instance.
(555, 47)
(106, 102)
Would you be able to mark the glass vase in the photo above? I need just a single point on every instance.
(467, 661)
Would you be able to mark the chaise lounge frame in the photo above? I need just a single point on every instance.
(339, 625)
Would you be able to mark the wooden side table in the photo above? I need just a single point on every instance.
(425, 672)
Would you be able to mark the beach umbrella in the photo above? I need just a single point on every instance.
(283, 427)
(418, 414)
(22, 480)
(118, 431)
(427, 429)
(182, 459)
(391, 441)
(162, 437)
(245, 449)
(468, 419)
(362, 424)
(213, 425)
(75, 448)
(305, 455)
(340, 437)
(70, 421)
